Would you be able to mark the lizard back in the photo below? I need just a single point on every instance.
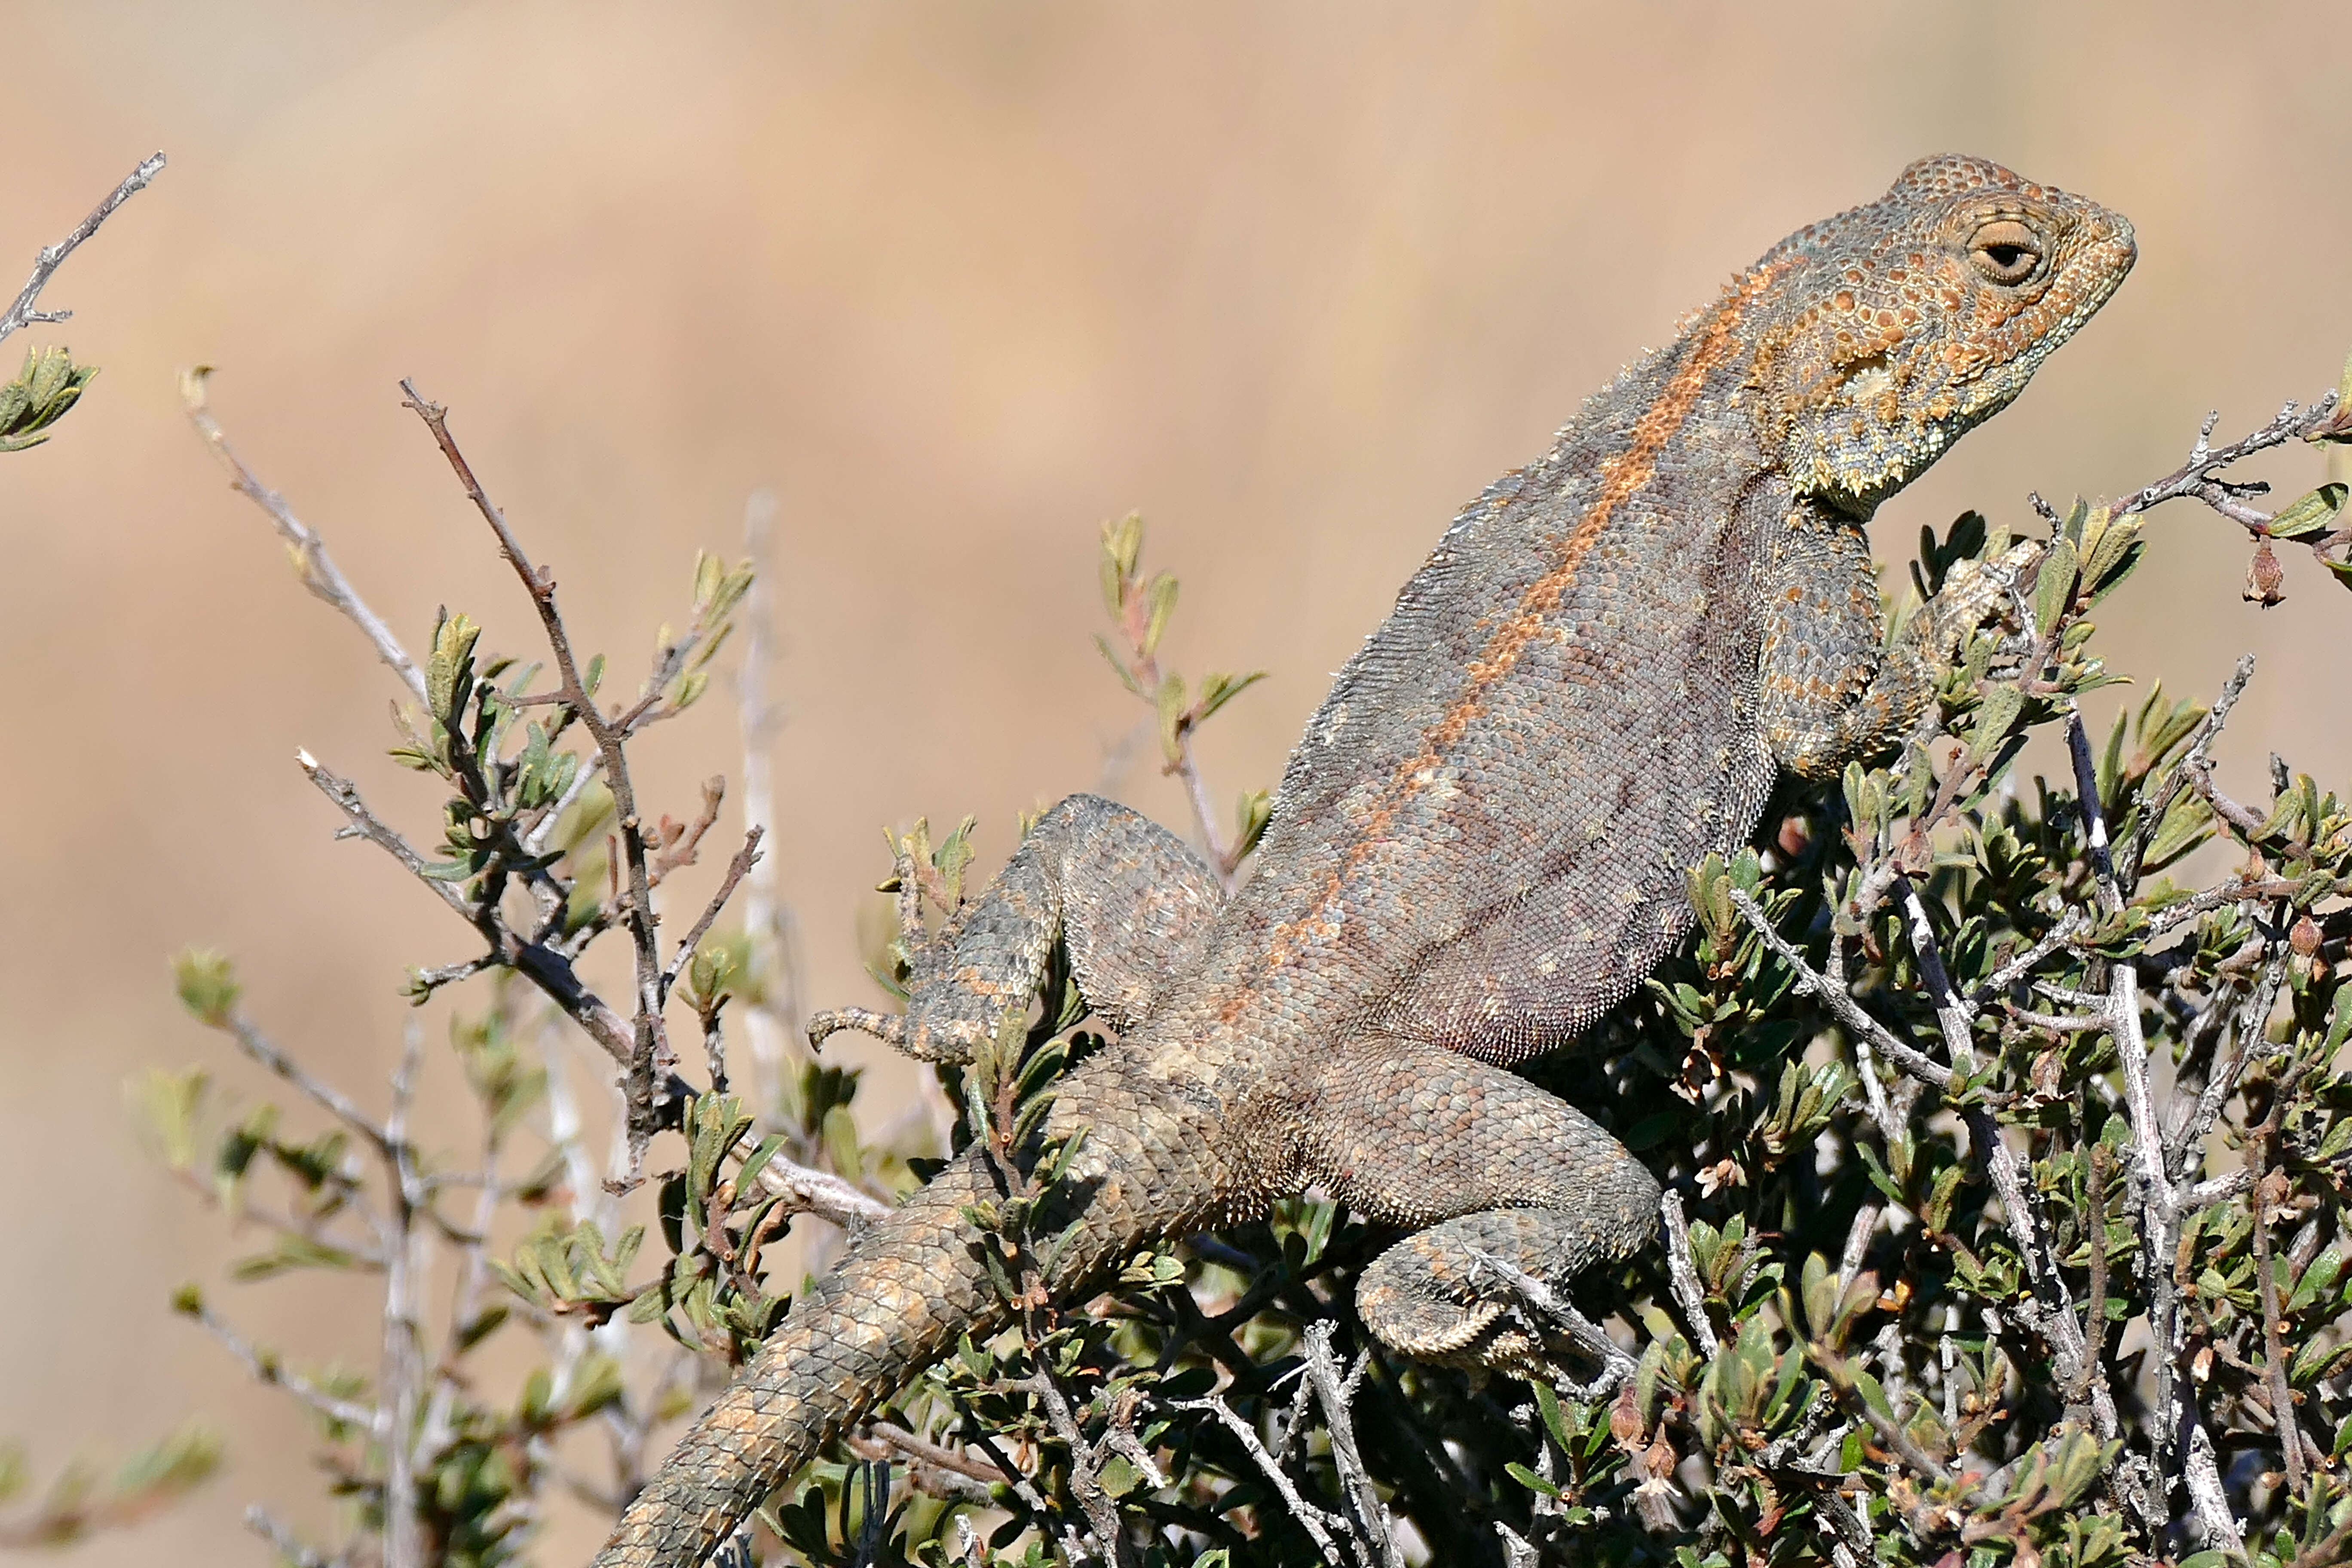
(1483, 834)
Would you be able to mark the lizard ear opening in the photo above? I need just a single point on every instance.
(2006, 252)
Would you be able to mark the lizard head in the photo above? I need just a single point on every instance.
(1894, 328)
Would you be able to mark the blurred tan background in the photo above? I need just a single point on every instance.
(959, 282)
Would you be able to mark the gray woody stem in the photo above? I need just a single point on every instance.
(24, 311)
(320, 574)
(403, 1343)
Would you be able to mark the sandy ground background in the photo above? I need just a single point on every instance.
(958, 281)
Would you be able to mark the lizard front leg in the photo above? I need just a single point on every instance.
(1128, 898)
(1834, 690)
(1493, 1167)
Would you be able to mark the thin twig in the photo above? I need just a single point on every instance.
(334, 1101)
(1684, 1273)
(2274, 1364)
(1839, 1001)
(2245, 818)
(1085, 1464)
(745, 858)
(2194, 477)
(268, 1370)
(402, 1374)
(933, 1453)
(2208, 1504)
(285, 1542)
(680, 846)
(366, 824)
(1317, 1522)
(1954, 1017)
(2025, 962)
(49, 257)
(1336, 1393)
(822, 1193)
(543, 965)
(2200, 740)
(318, 572)
(1616, 1366)
(767, 920)
(2051, 1310)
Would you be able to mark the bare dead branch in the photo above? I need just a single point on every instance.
(49, 257)
(317, 569)
(268, 1370)
(1684, 1273)
(745, 858)
(1317, 1522)
(286, 1544)
(551, 971)
(1841, 1002)
(2194, 478)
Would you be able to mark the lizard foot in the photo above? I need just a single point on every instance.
(1975, 592)
(940, 1045)
(1124, 898)
(1472, 1293)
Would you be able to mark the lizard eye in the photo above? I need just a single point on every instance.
(2006, 252)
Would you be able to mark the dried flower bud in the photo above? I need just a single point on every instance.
(1625, 1419)
(2264, 577)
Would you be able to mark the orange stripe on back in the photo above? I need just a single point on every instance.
(1628, 472)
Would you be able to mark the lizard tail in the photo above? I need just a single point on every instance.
(907, 1290)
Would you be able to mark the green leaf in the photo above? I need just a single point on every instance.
(208, 986)
(1122, 548)
(1251, 813)
(1529, 1479)
(1119, 1476)
(1872, 1394)
(2053, 590)
(1995, 717)
(50, 384)
(1161, 599)
(1218, 688)
(1117, 664)
(449, 668)
(747, 1178)
(2318, 1280)
(172, 1103)
(1172, 716)
(291, 1252)
(595, 1383)
(2309, 513)
(842, 1147)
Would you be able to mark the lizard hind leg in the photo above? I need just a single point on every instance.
(1493, 1168)
(1129, 899)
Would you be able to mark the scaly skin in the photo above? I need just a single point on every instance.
(1478, 848)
